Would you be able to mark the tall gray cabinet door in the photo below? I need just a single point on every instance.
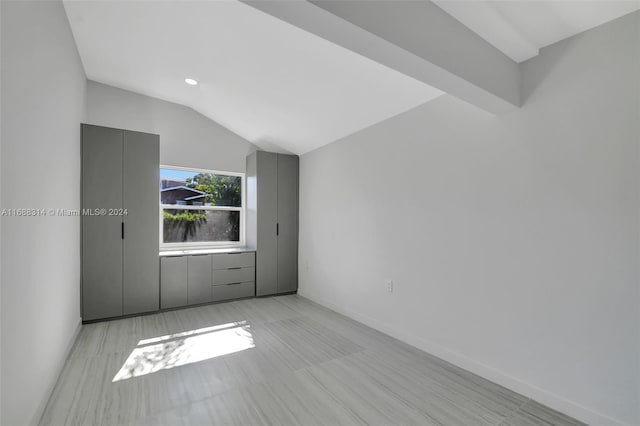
(141, 223)
(267, 240)
(199, 279)
(101, 240)
(287, 223)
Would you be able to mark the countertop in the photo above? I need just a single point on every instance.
(189, 252)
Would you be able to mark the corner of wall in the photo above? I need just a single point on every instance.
(37, 416)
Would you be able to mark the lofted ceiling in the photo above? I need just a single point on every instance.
(272, 77)
(276, 85)
(519, 28)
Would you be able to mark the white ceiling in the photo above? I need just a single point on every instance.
(519, 28)
(274, 84)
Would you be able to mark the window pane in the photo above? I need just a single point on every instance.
(180, 226)
(184, 187)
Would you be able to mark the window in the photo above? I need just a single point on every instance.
(201, 208)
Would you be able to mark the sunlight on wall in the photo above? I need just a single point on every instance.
(174, 350)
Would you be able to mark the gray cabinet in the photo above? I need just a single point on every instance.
(120, 176)
(193, 279)
(199, 279)
(287, 231)
(234, 260)
(234, 276)
(173, 282)
(141, 156)
(234, 291)
(272, 220)
(262, 218)
(101, 240)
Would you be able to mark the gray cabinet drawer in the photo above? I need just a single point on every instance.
(173, 282)
(228, 276)
(233, 291)
(234, 260)
(199, 279)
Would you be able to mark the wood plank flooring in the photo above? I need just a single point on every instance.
(281, 360)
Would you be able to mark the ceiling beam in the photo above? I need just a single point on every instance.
(414, 37)
(486, 19)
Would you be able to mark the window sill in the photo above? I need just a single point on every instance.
(190, 252)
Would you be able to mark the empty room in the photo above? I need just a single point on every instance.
(320, 212)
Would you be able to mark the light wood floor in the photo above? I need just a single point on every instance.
(281, 360)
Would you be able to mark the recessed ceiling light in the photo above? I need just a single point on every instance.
(190, 81)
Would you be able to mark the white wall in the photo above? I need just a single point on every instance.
(187, 138)
(1, 204)
(43, 91)
(513, 240)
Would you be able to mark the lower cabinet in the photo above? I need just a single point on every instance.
(234, 291)
(173, 281)
(199, 279)
(234, 276)
(194, 279)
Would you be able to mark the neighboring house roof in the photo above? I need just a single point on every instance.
(184, 187)
(195, 197)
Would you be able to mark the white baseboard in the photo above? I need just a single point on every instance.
(535, 393)
(37, 416)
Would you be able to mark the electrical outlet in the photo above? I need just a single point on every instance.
(390, 286)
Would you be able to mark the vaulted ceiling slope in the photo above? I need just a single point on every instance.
(521, 28)
(292, 76)
(270, 82)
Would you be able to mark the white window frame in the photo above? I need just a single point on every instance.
(204, 244)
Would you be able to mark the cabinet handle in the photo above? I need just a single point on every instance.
(234, 283)
(277, 229)
(237, 267)
(122, 230)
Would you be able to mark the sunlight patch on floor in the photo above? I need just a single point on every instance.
(188, 347)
